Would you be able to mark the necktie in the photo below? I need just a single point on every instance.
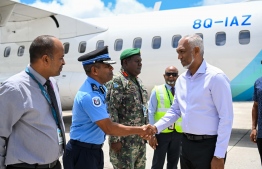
(51, 93)
(173, 90)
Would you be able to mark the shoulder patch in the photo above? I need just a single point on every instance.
(96, 101)
(115, 85)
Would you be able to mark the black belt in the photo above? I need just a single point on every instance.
(25, 165)
(86, 145)
(198, 137)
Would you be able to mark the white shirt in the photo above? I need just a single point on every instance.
(204, 101)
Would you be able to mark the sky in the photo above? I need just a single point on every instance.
(102, 8)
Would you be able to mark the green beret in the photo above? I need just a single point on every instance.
(129, 52)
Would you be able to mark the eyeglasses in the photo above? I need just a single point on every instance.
(169, 74)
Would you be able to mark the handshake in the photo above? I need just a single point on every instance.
(149, 132)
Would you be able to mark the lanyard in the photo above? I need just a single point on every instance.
(45, 94)
(168, 95)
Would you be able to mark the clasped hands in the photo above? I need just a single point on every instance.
(149, 134)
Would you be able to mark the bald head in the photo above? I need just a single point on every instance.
(171, 69)
(170, 76)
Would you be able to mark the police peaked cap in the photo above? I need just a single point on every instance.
(96, 56)
(129, 52)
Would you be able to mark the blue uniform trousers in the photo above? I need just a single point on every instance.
(81, 155)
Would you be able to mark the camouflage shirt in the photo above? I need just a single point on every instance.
(125, 103)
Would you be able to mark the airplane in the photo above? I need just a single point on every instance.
(231, 34)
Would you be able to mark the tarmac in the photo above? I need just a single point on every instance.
(241, 152)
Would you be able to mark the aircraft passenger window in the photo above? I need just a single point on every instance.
(175, 40)
(82, 47)
(118, 44)
(100, 44)
(220, 38)
(156, 43)
(137, 43)
(66, 47)
(201, 35)
(20, 51)
(244, 37)
(7, 51)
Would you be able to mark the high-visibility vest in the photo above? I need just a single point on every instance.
(163, 104)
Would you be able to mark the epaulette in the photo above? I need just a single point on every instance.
(94, 87)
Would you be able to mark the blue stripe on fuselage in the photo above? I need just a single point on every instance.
(242, 85)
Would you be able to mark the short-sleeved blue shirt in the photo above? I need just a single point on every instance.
(258, 98)
(89, 107)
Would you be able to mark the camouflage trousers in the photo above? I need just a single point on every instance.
(129, 157)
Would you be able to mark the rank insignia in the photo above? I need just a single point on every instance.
(94, 87)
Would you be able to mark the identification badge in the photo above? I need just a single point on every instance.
(171, 127)
(59, 135)
(144, 110)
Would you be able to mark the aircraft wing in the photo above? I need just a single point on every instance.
(11, 11)
(15, 17)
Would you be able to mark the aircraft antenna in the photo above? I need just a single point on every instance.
(157, 5)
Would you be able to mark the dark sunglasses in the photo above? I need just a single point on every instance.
(173, 74)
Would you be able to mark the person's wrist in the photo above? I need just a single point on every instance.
(219, 158)
(155, 129)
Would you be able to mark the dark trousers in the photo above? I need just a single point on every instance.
(259, 146)
(197, 154)
(168, 144)
(57, 166)
(79, 156)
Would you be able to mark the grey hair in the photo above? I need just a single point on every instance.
(195, 41)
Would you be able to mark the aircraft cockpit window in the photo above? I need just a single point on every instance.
(137, 43)
(175, 40)
(21, 51)
(156, 43)
(66, 47)
(7, 51)
(244, 37)
(82, 47)
(220, 38)
(118, 44)
(100, 44)
(201, 35)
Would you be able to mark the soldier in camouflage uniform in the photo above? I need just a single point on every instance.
(127, 104)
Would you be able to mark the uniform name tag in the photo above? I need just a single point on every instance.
(59, 135)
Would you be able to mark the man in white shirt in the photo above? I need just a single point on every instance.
(203, 100)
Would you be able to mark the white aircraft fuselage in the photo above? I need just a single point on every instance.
(231, 33)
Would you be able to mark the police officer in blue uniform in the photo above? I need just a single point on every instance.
(90, 119)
